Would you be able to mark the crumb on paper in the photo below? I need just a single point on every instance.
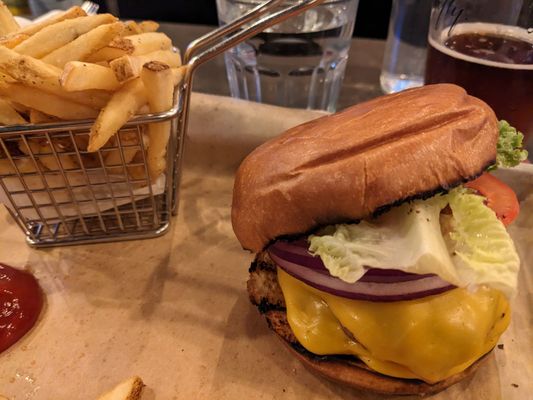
(500, 346)
(514, 385)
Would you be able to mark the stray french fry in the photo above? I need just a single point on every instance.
(129, 67)
(158, 81)
(36, 73)
(79, 75)
(45, 102)
(84, 45)
(54, 36)
(148, 26)
(7, 21)
(130, 389)
(13, 40)
(123, 105)
(73, 12)
(8, 115)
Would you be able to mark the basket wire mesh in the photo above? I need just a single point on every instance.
(60, 194)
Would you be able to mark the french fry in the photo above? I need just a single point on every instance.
(159, 83)
(49, 161)
(37, 117)
(20, 108)
(130, 389)
(13, 40)
(137, 171)
(8, 115)
(123, 105)
(148, 26)
(13, 64)
(7, 21)
(129, 67)
(134, 45)
(115, 158)
(57, 35)
(148, 42)
(45, 102)
(131, 28)
(17, 37)
(25, 165)
(79, 75)
(118, 47)
(71, 13)
(35, 73)
(84, 45)
(177, 75)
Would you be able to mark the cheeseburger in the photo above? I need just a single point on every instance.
(383, 260)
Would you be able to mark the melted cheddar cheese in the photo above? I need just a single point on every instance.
(430, 338)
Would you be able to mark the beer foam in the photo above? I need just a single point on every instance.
(482, 28)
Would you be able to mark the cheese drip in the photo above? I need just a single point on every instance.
(431, 338)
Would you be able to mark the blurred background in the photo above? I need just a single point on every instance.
(372, 16)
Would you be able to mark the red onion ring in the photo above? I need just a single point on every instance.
(375, 285)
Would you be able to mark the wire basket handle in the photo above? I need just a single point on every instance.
(225, 37)
(210, 37)
(230, 35)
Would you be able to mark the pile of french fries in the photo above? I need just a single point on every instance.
(74, 66)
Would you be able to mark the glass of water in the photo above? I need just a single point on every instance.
(298, 63)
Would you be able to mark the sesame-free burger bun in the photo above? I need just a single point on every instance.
(352, 164)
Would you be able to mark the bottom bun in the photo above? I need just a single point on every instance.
(358, 376)
(265, 293)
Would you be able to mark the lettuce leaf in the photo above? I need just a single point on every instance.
(482, 250)
(407, 237)
(473, 249)
(509, 147)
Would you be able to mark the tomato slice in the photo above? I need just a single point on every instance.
(500, 197)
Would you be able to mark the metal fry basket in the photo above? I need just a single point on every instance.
(60, 194)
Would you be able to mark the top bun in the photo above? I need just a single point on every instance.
(352, 164)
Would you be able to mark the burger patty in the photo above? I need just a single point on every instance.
(266, 294)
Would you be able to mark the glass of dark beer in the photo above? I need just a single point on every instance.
(486, 46)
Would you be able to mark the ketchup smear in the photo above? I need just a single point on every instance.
(21, 301)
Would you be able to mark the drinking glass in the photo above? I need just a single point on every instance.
(486, 46)
(404, 59)
(297, 63)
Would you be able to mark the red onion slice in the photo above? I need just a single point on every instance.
(376, 285)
